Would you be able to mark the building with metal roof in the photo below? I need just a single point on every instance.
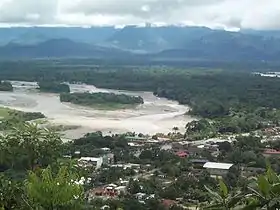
(217, 169)
(215, 165)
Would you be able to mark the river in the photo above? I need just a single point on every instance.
(156, 115)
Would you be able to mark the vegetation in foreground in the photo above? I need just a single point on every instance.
(34, 175)
(102, 100)
(10, 118)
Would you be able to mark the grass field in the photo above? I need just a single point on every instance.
(4, 112)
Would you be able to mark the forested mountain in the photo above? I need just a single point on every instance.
(58, 48)
(227, 46)
(31, 35)
(265, 33)
(152, 43)
(152, 39)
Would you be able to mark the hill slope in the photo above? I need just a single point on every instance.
(168, 42)
(58, 48)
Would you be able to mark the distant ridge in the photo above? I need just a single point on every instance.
(166, 42)
(58, 48)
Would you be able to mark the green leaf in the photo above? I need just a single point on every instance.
(215, 207)
(223, 189)
(252, 205)
(215, 195)
(263, 185)
(235, 200)
(272, 176)
(275, 189)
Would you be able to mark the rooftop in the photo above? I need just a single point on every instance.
(199, 161)
(214, 165)
(182, 154)
(92, 159)
(271, 151)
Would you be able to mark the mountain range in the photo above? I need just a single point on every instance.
(166, 42)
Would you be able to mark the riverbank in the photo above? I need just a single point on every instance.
(156, 115)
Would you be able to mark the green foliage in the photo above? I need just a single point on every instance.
(53, 87)
(265, 192)
(101, 100)
(6, 86)
(49, 190)
(222, 199)
(28, 147)
(113, 175)
(200, 129)
(10, 193)
(14, 118)
(91, 143)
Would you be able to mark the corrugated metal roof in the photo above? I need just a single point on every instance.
(215, 165)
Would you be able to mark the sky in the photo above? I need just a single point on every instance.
(253, 14)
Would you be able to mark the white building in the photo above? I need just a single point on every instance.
(217, 169)
(90, 161)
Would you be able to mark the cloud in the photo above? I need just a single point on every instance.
(259, 14)
(27, 11)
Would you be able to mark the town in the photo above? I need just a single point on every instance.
(174, 171)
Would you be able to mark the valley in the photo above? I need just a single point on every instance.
(156, 115)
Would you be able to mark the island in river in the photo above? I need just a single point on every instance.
(155, 115)
(53, 87)
(6, 86)
(105, 101)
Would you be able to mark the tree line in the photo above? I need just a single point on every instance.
(53, 87)
(91, 99)
(6, 86)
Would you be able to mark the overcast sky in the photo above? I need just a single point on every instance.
(257, 14)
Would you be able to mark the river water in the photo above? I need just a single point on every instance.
(156, 115)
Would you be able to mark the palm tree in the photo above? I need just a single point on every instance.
(175, 129)
(223, 200)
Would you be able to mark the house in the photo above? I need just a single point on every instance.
(168, 203)
(181, 154)
(217, 169)
(140, 196)
(110, 190)
(125, 166)
(136, 139)
(90, 162)
(120, 189)
(198, 163)
(271, 153)
(108, 159)
(105, 207)
(106, 149)
(194, 150)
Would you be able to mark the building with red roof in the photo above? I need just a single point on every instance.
(168, 203)
(271, 153)
(182, 154)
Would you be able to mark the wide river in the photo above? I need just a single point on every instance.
(156, 115)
